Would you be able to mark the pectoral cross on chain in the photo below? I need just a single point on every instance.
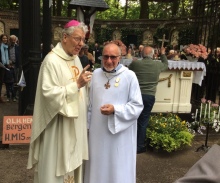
(107, 85)
(163, 40)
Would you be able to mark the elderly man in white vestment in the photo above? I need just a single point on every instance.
(115, 104)
(59, 132)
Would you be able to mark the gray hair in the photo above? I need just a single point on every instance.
(119, 49)
(14, 37)
(149, 55)
(71, 29)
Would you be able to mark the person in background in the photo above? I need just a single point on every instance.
(185, 52)
(205, 170)
(58, 143)
(97, 52)
(14, 57)
(83, 59)
(147, 72)
(14, 54)
(115, 104)
(89, 55)
(4, 59)
(156, 55)
(138, 54)
(217, 52)
(171, 55)
(129, 54)
(9, 80)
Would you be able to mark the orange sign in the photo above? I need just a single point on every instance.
(16, 129)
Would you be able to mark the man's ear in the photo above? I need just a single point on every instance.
(65, 37)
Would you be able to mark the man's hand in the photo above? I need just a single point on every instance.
(84, 77)
(107, 109)
(162, 50)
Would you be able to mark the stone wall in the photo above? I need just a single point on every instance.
(9, 22)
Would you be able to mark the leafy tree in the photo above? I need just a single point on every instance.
(60, 8)
(114, 12)
(144, 9)
(132, 12)
(9, 4)
(126, 9)
(133, 9)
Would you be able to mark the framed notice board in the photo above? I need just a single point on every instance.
(16, 129)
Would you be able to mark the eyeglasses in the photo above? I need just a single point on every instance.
(112, 57)
(77, 39)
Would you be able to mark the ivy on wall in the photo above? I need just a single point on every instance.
(186, 35)
(135, 31)
(98, 34)
(159, 35)
(105, 34)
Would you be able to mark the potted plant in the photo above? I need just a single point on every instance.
(168, 132)
(196, 51)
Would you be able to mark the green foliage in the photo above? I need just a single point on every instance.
(116, 11)
(132, 31)
(9, 4)
(156, 10)
(4, 4)
(110, 14)
(96, 66)
(113, 13)
(103, 34)
(132, 12)
(160, 10)
(159, 35)
(186, 36)
(168, 132)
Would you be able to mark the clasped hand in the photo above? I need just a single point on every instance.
(107, 109)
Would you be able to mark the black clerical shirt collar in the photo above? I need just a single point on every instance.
(114, 70)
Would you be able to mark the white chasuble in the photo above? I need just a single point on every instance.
(59, 131)
(113, 138)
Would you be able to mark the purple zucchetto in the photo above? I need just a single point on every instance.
(71, 23)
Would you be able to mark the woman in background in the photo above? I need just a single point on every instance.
(4, 59)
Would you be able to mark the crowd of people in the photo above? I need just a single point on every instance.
(133, 53)
(9, 66)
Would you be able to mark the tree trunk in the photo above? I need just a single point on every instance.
(116, 3)
(194, 10)
(59, 7)
(144, 11)
(69, 11)
(126, 9)
(183, 8)
(54, 8)
(175, 8)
